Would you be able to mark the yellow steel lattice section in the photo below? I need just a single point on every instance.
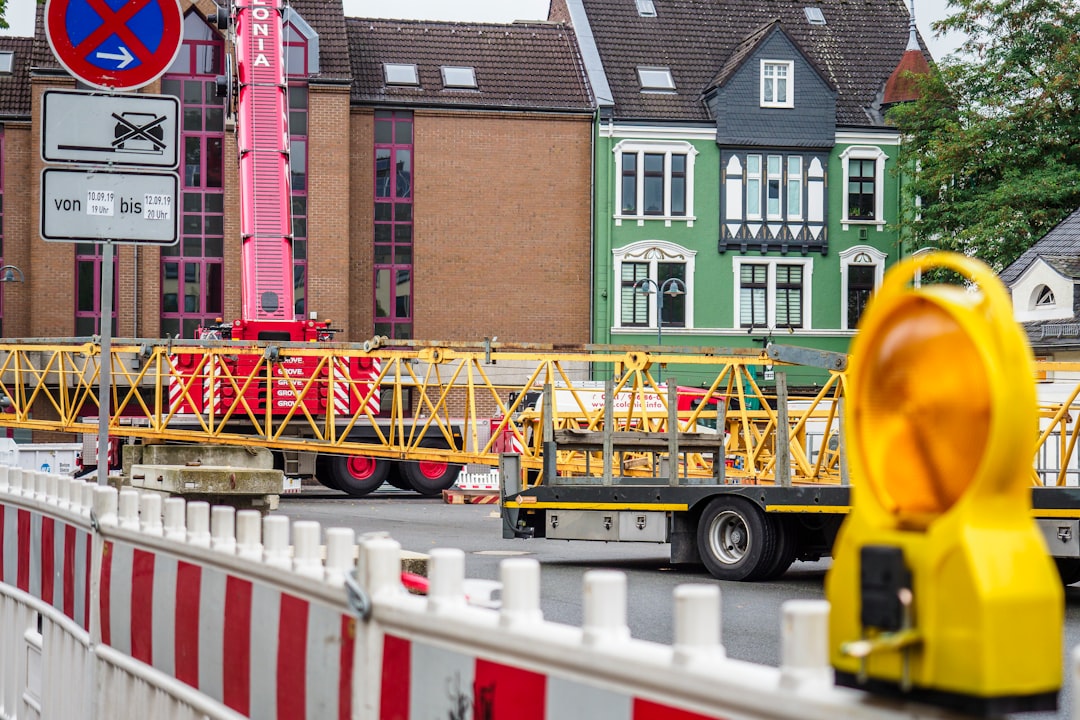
(422, 402)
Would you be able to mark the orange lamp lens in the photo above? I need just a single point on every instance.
(924, 421)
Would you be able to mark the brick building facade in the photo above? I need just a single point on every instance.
(495, 180)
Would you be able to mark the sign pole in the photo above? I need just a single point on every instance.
(105, 373)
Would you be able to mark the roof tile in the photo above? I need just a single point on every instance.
(857, 49)
(519, 65)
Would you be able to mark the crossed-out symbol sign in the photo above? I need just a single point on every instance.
(114, 44)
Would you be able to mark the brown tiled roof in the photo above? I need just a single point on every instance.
(327, 18)
(15, 88)
(42, 56)
(856, 50)
(520, 65)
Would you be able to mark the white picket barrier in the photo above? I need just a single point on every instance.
(193, 612)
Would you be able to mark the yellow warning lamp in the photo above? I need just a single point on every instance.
(941, 586)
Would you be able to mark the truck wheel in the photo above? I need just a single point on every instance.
(395, 479)
(430, 477)
(1068, 569)
(354, 474)
(787, 545)
(735, 539)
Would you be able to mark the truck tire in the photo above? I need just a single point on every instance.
(353, 474)
(430, 477)
(1068, 569)
(787, 546)
(395, 479)
(735, 539)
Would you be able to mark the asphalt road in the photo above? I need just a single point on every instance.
(750, 611)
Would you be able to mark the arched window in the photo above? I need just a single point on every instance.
(862, 268)
(647, 266)
(1043, 298)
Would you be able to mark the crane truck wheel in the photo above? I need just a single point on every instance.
(353, 474)
(736, 540)
(394, 478)
(430, 477)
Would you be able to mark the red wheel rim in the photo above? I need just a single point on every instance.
(432, 470)
(361, 468)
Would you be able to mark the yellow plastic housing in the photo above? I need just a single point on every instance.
(940, 439)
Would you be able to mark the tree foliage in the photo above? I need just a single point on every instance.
(995, 139)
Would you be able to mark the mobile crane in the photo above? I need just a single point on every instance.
(267, 299)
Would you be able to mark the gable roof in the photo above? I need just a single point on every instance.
(519, 65)
(747, 47)
(856, 50)
(1062, 241)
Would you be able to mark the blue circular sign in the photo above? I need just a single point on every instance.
(115, 44)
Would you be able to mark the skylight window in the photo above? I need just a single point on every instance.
(814, 15)
(400, 74)
(458, 77)
(656, 79)
(7, 62)
(646, 8)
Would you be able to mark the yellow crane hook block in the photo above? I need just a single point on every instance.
(941, 587)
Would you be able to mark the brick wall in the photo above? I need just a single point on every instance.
(20, 221)
(329, 204)
(502, 235)
(361, 223)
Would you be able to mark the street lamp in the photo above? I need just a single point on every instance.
(10, 273)
(672, 287)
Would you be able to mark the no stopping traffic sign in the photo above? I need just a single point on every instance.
(115, 44)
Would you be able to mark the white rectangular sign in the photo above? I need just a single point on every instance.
(131, 130)
(131, 207)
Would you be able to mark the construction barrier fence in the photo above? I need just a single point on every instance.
(122, 605)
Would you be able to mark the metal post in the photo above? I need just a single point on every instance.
(609, 428)
(105, 372)
(783, 438)
(673, 432)
(550, 468)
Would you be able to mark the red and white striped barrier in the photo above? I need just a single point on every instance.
(209, 613)
(238, 635)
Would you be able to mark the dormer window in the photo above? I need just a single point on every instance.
(656, 79)
(7, 62)
(458, 78)
(645, 8)
(776, 83)
(301, 44)
(401, 74)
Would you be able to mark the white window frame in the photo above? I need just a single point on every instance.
(858, 255)
(754, 176)
(789, 83)
(793, 187)
(667, 148)
(652, 252)
(770, 293)
(864, 152)
(778, 177)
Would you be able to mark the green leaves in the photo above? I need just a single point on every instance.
(992, 149)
